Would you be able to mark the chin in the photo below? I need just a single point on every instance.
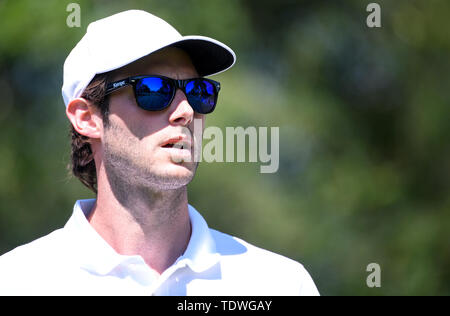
(173, 175)
(181, 171)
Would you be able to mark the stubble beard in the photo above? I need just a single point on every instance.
(130, 177)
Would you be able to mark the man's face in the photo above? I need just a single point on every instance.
(133, 142)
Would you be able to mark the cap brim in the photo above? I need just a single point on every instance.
(209, 56)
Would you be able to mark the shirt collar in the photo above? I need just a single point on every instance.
(94, 254)
(201, 251)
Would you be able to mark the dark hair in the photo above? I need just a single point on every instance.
(82, 162)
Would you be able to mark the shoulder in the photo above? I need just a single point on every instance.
(239, 249)
(28, 263)
(262, 267)
(33, 249)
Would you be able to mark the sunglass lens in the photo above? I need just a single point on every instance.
(153, 94)
(202, 95)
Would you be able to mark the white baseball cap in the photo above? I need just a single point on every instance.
(125, 37)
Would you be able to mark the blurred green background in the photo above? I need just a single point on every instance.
(363, 114)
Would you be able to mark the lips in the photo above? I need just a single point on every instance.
(179, 142)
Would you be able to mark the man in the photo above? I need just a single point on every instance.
(133, 89)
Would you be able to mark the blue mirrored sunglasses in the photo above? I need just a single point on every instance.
(155, 93)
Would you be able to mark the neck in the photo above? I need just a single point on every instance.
(141, 221)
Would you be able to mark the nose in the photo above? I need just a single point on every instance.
(182, 113)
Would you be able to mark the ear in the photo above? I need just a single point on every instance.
(85, 119)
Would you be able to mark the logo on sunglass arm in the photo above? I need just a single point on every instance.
(119, 84)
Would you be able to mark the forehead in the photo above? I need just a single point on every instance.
(170, 62)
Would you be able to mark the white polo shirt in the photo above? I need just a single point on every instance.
(76, 260)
